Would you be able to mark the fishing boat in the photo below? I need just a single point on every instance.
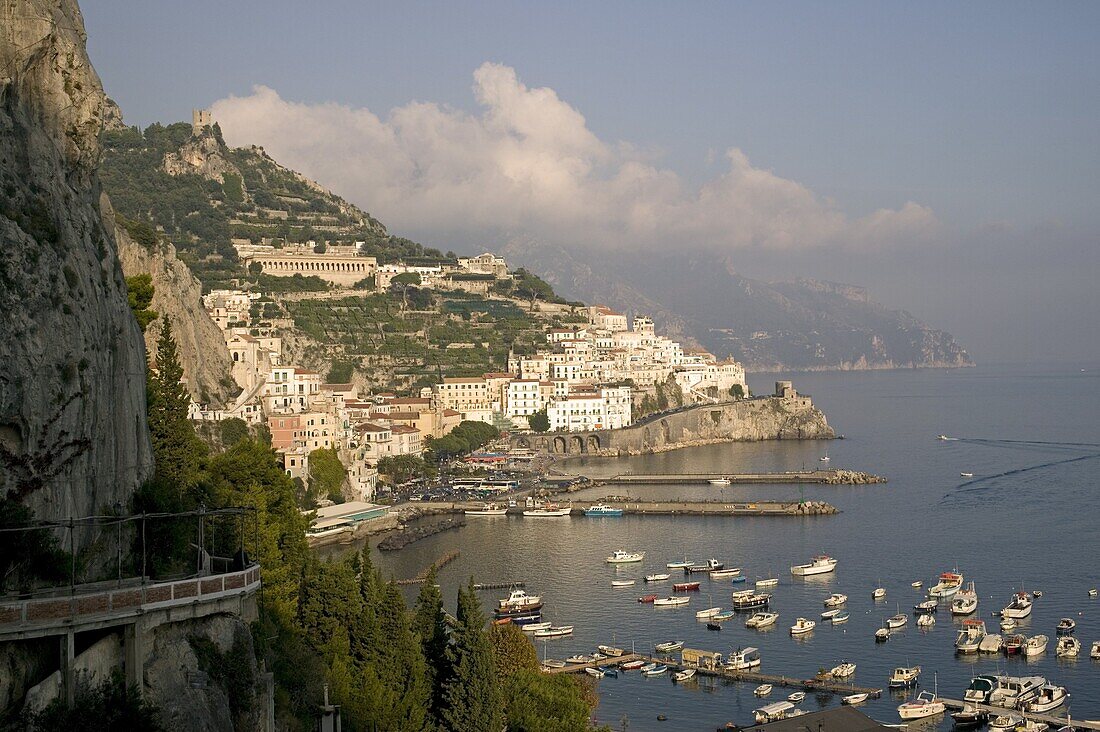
(548, 511)
(767, 582)
(926, 607)
(1020, 607)
(1067, 647)
(1008, 624)
(623, 557)
(555, 631)
(684, 564)
(820, 564)
(647, 598)
(772, 712)
(1049, 697)
(622, 582)
(668, 646)
(743, 659)
(840, 618)
(671, 601)
(1013, 692)
(878, 593)
(632, 665)
(927, 704)
(897, 621)
(761, 620)
(843, 671)
(738, 579)
(835, 600)
(970, 637)
(711, 565)
(723, 573)
(854, 698)
(524, 620)
(685, 587)
(710, 612)
(904, 677)
(686, 675)
(660, 577)
(802, 626)
(1035, 645)
(487, 509)
(969, 717)
(763, 690)
(579, 658)
(518, 603)
(1004, 722)
(926, 621)
(992, 643)
(882, 635)
(719, 481)
(949, 584)
(612, 651)
(1066, 626)
(980, 688)
(796, 697)
(656, 670)
(535, 627)
(965, 601)
(602, 509)
(750, 601)
(1014, 644)
(1094, 652)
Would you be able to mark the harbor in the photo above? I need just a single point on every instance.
(792, 477)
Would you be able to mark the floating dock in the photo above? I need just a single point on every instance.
(1054, 722)
(797, 477)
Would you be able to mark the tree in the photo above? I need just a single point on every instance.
(177, 450)
(429, 623)
(401, 283)
(737, 391)
(472, 697)
(232, 430)
(403, 468)
(512, 651)
(537, 702)
(327, 474)
(110, 705)
(539, 421)
(139, 293)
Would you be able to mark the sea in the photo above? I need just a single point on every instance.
(1027, 519)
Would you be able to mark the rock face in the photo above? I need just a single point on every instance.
(177, 296)
(73, 435)
(201, 155)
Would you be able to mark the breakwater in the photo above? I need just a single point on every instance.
(407, 536)
(822, 477)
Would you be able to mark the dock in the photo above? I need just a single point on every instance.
(714, 508)
(1050, 719)
(795, 477)
(423, 574)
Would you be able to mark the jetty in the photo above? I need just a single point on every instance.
(423, 574)
(1050, 719)
(795, 477)
(631, 506)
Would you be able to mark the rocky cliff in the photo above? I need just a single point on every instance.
(73, 435)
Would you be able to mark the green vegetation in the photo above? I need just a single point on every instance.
(110, 705)
(403, 468)
(139, 291)
(539, 421)
(326, 475)
(465, 438)
(177, 451)
(27, 557)
(737, 391)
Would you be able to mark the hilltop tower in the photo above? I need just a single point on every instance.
(200, 118)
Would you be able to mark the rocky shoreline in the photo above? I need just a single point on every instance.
(407, 536)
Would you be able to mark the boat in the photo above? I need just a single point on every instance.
(743, 659)
(554, 631)
(878, 593)
(685, 587)
(552, 663)
(1030, 725)
(680, 565)
(661, 577)
(970, 637)
(796, 697)
(632, 665)
(671, 601)
(534, 627)
(802, 626)
(926, 621)
(622, 582)
(1020, 607)
(1037, 594)
(882, 635)
(1003, 722)
(843, 671)
(1014, 644)
(712, 625)
(602, 509)
(772, 712)
(656, 670)
(750, 601)
(830, 614)
(820, 564)
(1035, 645)
(548, 511)
(992, 643)
(854, 698)
(767, 582)
(1094, 652)
(597, 672)
(523, 620)
(737, 579)
(518, 603)
(927, 704)
(825, 458)
(1092, 592)
(980, 688)
(1066, 626)
(647, 598)
(686, 675)
(897, 621)
(487, 509)
(724, 616)
(1015, 691)
(1008, 624)
(710, 612)
(965, 601)
(949, 584)
(969, 717)
(966, 475)
(1049, 697)
(611, 651)
(763, 690)
(710, 566)
(904, 677)
(1067, 647)
(835, 600)
(622, 557)
(916, 584)
(609, 671)
(668, 646)
(579, 658)
(719, 481)
(840, 619)
(723, 573)
(926, 607)
(761, 620)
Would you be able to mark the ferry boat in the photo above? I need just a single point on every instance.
(719, 481)
(904, 677)
(1066, 626)
(970, 637)
(623, 557)
(949, 584)
(761, 620)
(660, 577)
(685, 586)
(1067, 647)
(671, 601)
(1035, 645)
(1020, 607)
(555, 631)
(820, 564)
(602, 509)
(518, 603)
(1049, 697)
(927, 704)
(487, 509)
(843, 671)
(711, 565)
(1015, 691)
(965, 601)
(751, 601)
(743, 659)
(802, 626)
(835, 600)
(548, 511)
(669, 646)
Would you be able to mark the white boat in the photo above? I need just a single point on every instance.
(854, 698)
(671, 601)
(916, 584)
(554, 631)
(773, 712)
(487, 509)
(927, 704)
(579, 658)
(761, 620)
(719, 481)
(1014, 691)
(1068, 647)
(1094, 652)
(686, 675)
(710, 612)
(840, 618)
(763, 690)
(1035, 645)
(1092, 592)
(802, 625)
(796, 697)
(548, 511)
(949, 584)
(991, 643)
(534, 627)
(843, 671)
(668, 646)
(598, 510)
(767, 582)
(835, 600)
(519, 601)
(610, 651)
(966, 475)
(723, 573)
(830, 614)
(965, 601)
(622, 582)
(597, 672)
(1066, 626)
(882, 635)
(825, 458)
(661, 577)
(904, 677)
(681, 564)
(1008, 624)
(552, 663)
(1049, 697)
(926, 621)
(743, 659)
(970, 637)
(1003, 722)
(879, 593)
(980, 688)
(656, 670)
(623, 557)
(897, 621)
(1020, 607)
(820, 564)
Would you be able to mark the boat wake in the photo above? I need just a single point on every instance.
(986, 483)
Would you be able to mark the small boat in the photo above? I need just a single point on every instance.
(685, 587)
(623, 557)
(965, 601)
(854, 698)
(949, 584)
(763, 690)
(1014, 644)
(897, 621)
(750, 601)
(738, 579)
(711, 565)
(879, 593)
(927, 607)
(579, 658)
(723, 616)
(1066, 626)
(802, 626)
(661, 577)
(668, 646)
(647, 598)
(487, 509)
(992, 643)
(796, 697)
(980, 688)
(1014, 692)
(602, 509)
(825, 458)
(843, 671)
(680, 565)
(904, 677)
(773, 712)
(710, 612)
(1067, 647)
(554, 631)
(712, 625)
(548, 511)
(882, 635)
(820, 564)
(622, 582)
(1092, 592)
(970, 637)
(656, 670)
(1020, 607)
(830, 614)
(723, 573)
(918, 584)
(518, 603)
(926, 621)
(632, 665)
(767, 582)
(1049, 697)
(611, 651)
(761, 620)
(969, 717)
(534, 627)
(597, 672)
(1004, 722)
(966, 475)
(552, 663)
(1035, 645)
(835, 600)
(1008, 624)
(927, 704)
(609, 671)
(686, 675)
(719, 481)
(743, 659)
(671, 601)
(840, 619)
(1094, 652)
(1037, 594)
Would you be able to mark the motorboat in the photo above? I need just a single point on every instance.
(1015, 691)
(840, 618)
(723, 616)
(904, 677)
(609, 671)
(966, 475)
(622, 582)
(660, 577)
(685, 587)
(835, 600)
(882, 635)
(714, 625)
(554, 631)
(602, 509)
(992, 643)
(685, 563)
(1014, 644)
(647, 598)
(965, 601)
(761, 620)
(926, 607)
(737, 578)
(980, 688)
(772, 712)
(487, 509)
(1008, 624)
(668, 646)
(852, 699)
(767, 582)
(1035, 645)
(656, 670)
(710, 612)
(1020, 607)
(523, 620)
(918, 584)
(763, 690)
(579, 658)
(518, 603)
(719, 481)
(879, 593)
(711, 565)
(926, 621)
(970, 637)
(534, 627)
(927, 704)
(1031, 725)
(750, 601)
(686, 675)
(796, 697)
(1004, 722)
(552, 663)
(1094, 653)
(548, 511)
(610, 651)
(825, 458)
(802, 626)
(969, 717)
(830, 614)
(843, 670)
(624, 557)
(1049, 697)
(897, 621)
(723, 573)
(949, 584)
(597, 672)
(1067, 647)
(1037, 594)
(743, 659)
(1066, 626)
(671, 601)
(742, 593)
(632, 665)
(820, 564)
(1092, 592)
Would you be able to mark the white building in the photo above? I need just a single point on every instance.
(289, 389)
(607, 408)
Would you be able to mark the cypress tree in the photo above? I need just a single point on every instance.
(431, 628)
(400, 665)
(472, 696)
(177, 450)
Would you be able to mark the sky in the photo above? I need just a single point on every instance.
(943, 155)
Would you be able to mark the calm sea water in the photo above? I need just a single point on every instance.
(1028, 519)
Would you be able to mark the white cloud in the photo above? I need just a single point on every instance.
(528, 164)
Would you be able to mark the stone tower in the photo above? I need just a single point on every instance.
(200, 118)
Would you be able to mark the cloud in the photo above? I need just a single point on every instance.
(528, 164)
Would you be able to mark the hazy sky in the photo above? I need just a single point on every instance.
(946, 156)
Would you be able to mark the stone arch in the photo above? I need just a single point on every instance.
(576, 444)
(593, 443)
(523, 442)
(559, 445)
(542, 444)
(666, 431)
